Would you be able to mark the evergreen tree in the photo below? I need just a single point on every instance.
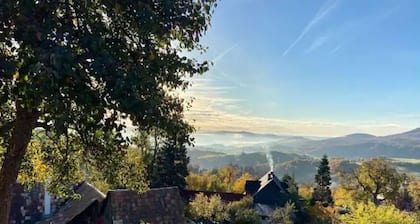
(171, 165)
(292, 186)
(322, 191)
(293, 189)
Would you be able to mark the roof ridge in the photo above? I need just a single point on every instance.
(96, 189)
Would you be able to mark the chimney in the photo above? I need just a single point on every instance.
(270, 175)
(47, 203)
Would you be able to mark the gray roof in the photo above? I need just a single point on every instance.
(268, 178)
(73, 207)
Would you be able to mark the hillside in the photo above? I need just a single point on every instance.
(210, 159)
(354, 146)
(405, 145)
(303, 168)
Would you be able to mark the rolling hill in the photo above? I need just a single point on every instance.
(354, 146)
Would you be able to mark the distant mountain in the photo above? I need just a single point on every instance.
(359, 145)
(240, 142)
(238, 138)
(246, 134)
(406, 145)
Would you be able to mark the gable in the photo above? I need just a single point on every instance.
(271, 194)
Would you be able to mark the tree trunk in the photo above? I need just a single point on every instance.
(21, 135)
(376, 201)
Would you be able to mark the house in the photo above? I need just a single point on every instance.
(268, 190)
(83, 210)
(268, 193)
(156, 206)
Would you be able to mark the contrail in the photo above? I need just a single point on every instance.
(224, 53)
(322, 12)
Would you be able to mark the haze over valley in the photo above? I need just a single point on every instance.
(298, 155)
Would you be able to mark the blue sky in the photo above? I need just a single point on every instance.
(323, 68)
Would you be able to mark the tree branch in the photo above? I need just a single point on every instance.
(6, 127)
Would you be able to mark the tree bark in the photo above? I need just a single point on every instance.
(18, 143)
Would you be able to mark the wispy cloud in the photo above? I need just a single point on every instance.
(223, 53)
(217, 120)
(318, 42)
(213, 110)
(335, 49)
(322, 12)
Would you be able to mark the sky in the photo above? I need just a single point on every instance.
(309, 67)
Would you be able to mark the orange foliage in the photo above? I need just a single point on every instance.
(239, 184)
(305, 191)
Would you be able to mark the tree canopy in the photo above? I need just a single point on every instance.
(374, 178)
(85, 71)
(370, 213)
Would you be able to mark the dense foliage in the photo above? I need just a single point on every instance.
(284, 215)
(370, 213)
(212, 209)
(80, 71)
(374, 180)
(225, 179)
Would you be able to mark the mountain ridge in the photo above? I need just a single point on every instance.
(356, 145)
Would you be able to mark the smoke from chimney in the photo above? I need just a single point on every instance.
(270, 160)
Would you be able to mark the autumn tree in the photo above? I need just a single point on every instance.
(239, 185)
(322, 191)
(78, 71)
(207, 209)
(370, 213)
(228, 175)
(374, 178)
(242, 212)
(223, 179)
(205, 182)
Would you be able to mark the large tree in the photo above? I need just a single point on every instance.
(374, 178)
(79, 69)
